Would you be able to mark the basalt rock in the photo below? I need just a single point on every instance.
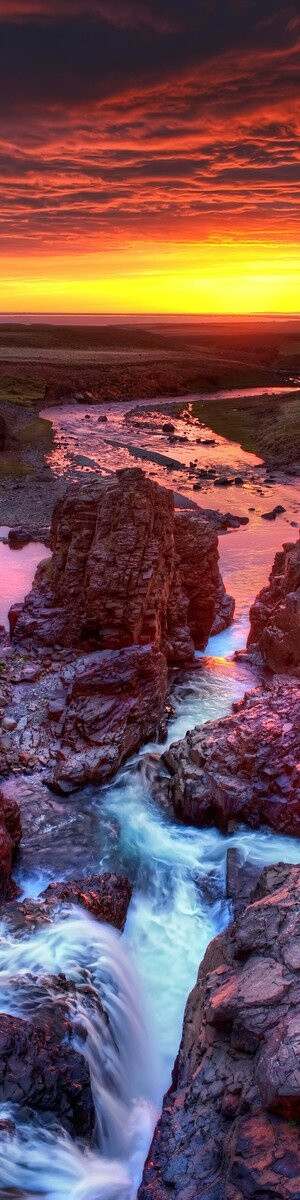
(40, 1070)
(105, 896)
(275, 616)
(124, 572)
(229, 1121)
(242, 767)
(115, 703)
(10, 835)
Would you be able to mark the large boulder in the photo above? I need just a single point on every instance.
(229, 1121)
(115, 703)
(275, 615)
(243, 767)
(124, 572)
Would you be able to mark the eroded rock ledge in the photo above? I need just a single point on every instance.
(229, 1122)
(243, 767)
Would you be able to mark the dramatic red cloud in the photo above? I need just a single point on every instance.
(123, 123)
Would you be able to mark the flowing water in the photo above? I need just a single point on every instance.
(143, 977)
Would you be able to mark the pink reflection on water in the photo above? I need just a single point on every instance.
(17, 570)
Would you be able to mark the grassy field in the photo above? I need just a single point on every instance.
(268, 427)
(20, 391)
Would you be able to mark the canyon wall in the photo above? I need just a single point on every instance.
(275, 616)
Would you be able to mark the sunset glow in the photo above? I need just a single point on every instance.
(149, 157)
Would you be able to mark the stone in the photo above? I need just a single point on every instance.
(114, 705)
(106, 896)
(120, 576)
(10, 836)
(40, 1069)
(275, 615)
(229, 1119)
(242, 767)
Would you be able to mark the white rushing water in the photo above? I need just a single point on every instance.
(143, 977)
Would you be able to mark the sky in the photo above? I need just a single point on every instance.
(149, 155)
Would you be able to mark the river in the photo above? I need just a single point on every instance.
(144, 976)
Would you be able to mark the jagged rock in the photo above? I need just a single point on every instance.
(115, 703)
(275, 615)
(228, 1125)
(105, 896)
(195, 544)
(10, 836)
(224, 610)
(120, 573)
(242, 767)
(41, 1070)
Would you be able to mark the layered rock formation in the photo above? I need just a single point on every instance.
(124, 572)
(131, 587)
(275, 615)
(10, 836)
(115, 703)
(243, 767)
(229, 1122)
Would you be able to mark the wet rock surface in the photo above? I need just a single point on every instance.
(10, 836)
(243, 767)
(40, 1071)
(106, 897)
(275, 615)
(229, 1121)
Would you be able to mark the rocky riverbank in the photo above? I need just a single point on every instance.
(229, 1122)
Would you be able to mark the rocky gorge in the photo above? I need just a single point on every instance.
(132, 589)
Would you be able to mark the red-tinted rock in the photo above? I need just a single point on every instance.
(275, 615)
(105, 896)
(200, 579)
(10, 835)
(228, 1126)
(124, 572)
(41, 1070)
(243, 767)
(116, 702)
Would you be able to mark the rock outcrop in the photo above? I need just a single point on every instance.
(38, 1068)
(115, 703)
(10, 836)
(275, 615)
(130, 588)
(243, 767)
(106, 897)
(124, 572)
(229, 1121)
